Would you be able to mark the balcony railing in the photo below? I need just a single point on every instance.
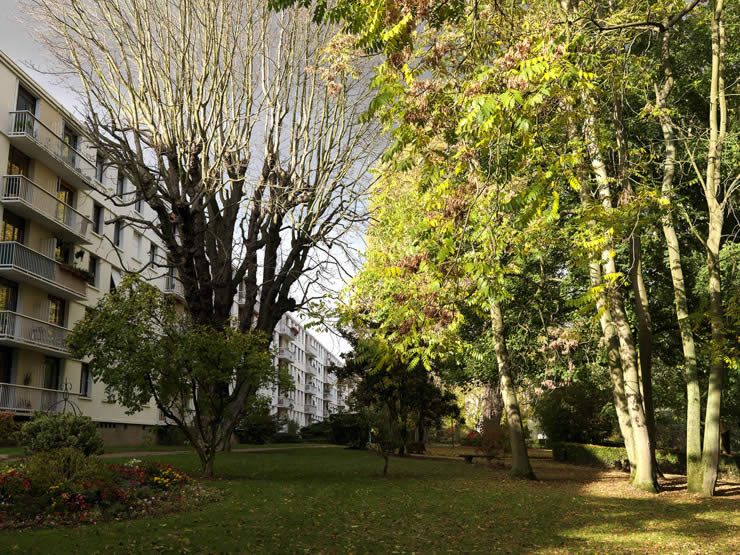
(43, 271)
(21, 190)
(18, 328)
(311, 351)
(27, 399)
(174, 286)
(283, 402)
(311, 388)
(286, 332)
(286, 355)
(309, 409)
(75, 165)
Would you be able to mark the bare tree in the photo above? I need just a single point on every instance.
(241, 128)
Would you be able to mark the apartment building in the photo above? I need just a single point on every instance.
(58, 255)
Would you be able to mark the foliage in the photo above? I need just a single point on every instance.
(317, 431)
(48, 431)
(350, 429)
(258, 425)
(65, 486)
(673, 462)
(8, 429)
(577, 412)
(200, 377)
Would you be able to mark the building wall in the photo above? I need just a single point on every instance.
(316, 394)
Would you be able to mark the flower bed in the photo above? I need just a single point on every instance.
(63, 487)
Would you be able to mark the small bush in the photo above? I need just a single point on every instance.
(286, 437)
(318, 431)
(171, 435)
(350, 429)
(471, 439)
(416, 447)
(49, 431)
(258, 425)
(8, 430)
(602, 456)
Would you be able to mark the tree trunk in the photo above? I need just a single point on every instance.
(520, 466)
(645, 341)
(717, 131)
(644, 474)
(612, 353)
(385, 465)
(691, 374)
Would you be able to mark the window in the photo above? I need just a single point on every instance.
(14, 228)
(8, 295)
(70, 141)
(66, 197)
(93, 264)
(115, 279)
(63, 252)
(6, 365)
(139, 244)
(99, 167)
(120, 185)
(18, 163)
(52, 373)
(153, 254)
(86, 380)
(139, 204)
(25, 101)
(98, 216)
(57, 309)
(118, 234)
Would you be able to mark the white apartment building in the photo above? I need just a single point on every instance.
(57, 255)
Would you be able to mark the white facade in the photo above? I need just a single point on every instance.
(57, 256)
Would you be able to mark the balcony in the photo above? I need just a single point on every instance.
(285, 355)
(25, 399)
(20, 263)
(312, 389)
(283, 402)
(28, 134)
(17, 330)
(309, 409)
(173, 286)
(285, 332)
(29, 200)
(311, 351)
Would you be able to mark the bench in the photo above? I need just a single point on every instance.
(469, 458)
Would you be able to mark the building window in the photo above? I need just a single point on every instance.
(99, 168)
(120, 185)
(63, 251)
(57, 309)
(14, 228)
(139, 204)
(8, 295)
(139, 244)
(118, 234)
(152, 254)
(52, 373)
(93, 264)
(71, 141)
(86, 380)
(98, 216)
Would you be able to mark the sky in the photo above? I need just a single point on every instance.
(18, 41)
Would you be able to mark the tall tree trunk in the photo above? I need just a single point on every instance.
(644, 339)
(717, 131)
(520, 466)
(688, 346)
(644, 474)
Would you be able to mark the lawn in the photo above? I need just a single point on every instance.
(332, 500)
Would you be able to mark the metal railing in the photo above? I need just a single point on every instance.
(309, 409)
(24, 123)
(25, 398)
(174, 286)
(24, 329)
(19, 257)
(311, 351)
(311, 388)
(18, 188)
(285, 354)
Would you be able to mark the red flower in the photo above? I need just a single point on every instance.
(26, 483)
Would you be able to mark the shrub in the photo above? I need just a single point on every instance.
(286, 437)
(257, 425)
(603, 456)
(49, 431)
(318, 431)
(171, 435)
(416, 447)
(66, 486)
(578, 412)
(350, 429)
(8, 430)
(471, 439)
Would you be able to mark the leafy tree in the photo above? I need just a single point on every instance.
(257, 424)
(143, 348)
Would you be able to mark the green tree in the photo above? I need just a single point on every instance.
(143, 348)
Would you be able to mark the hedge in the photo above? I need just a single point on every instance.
(614, 457)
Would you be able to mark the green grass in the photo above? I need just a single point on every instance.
(332, 500)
